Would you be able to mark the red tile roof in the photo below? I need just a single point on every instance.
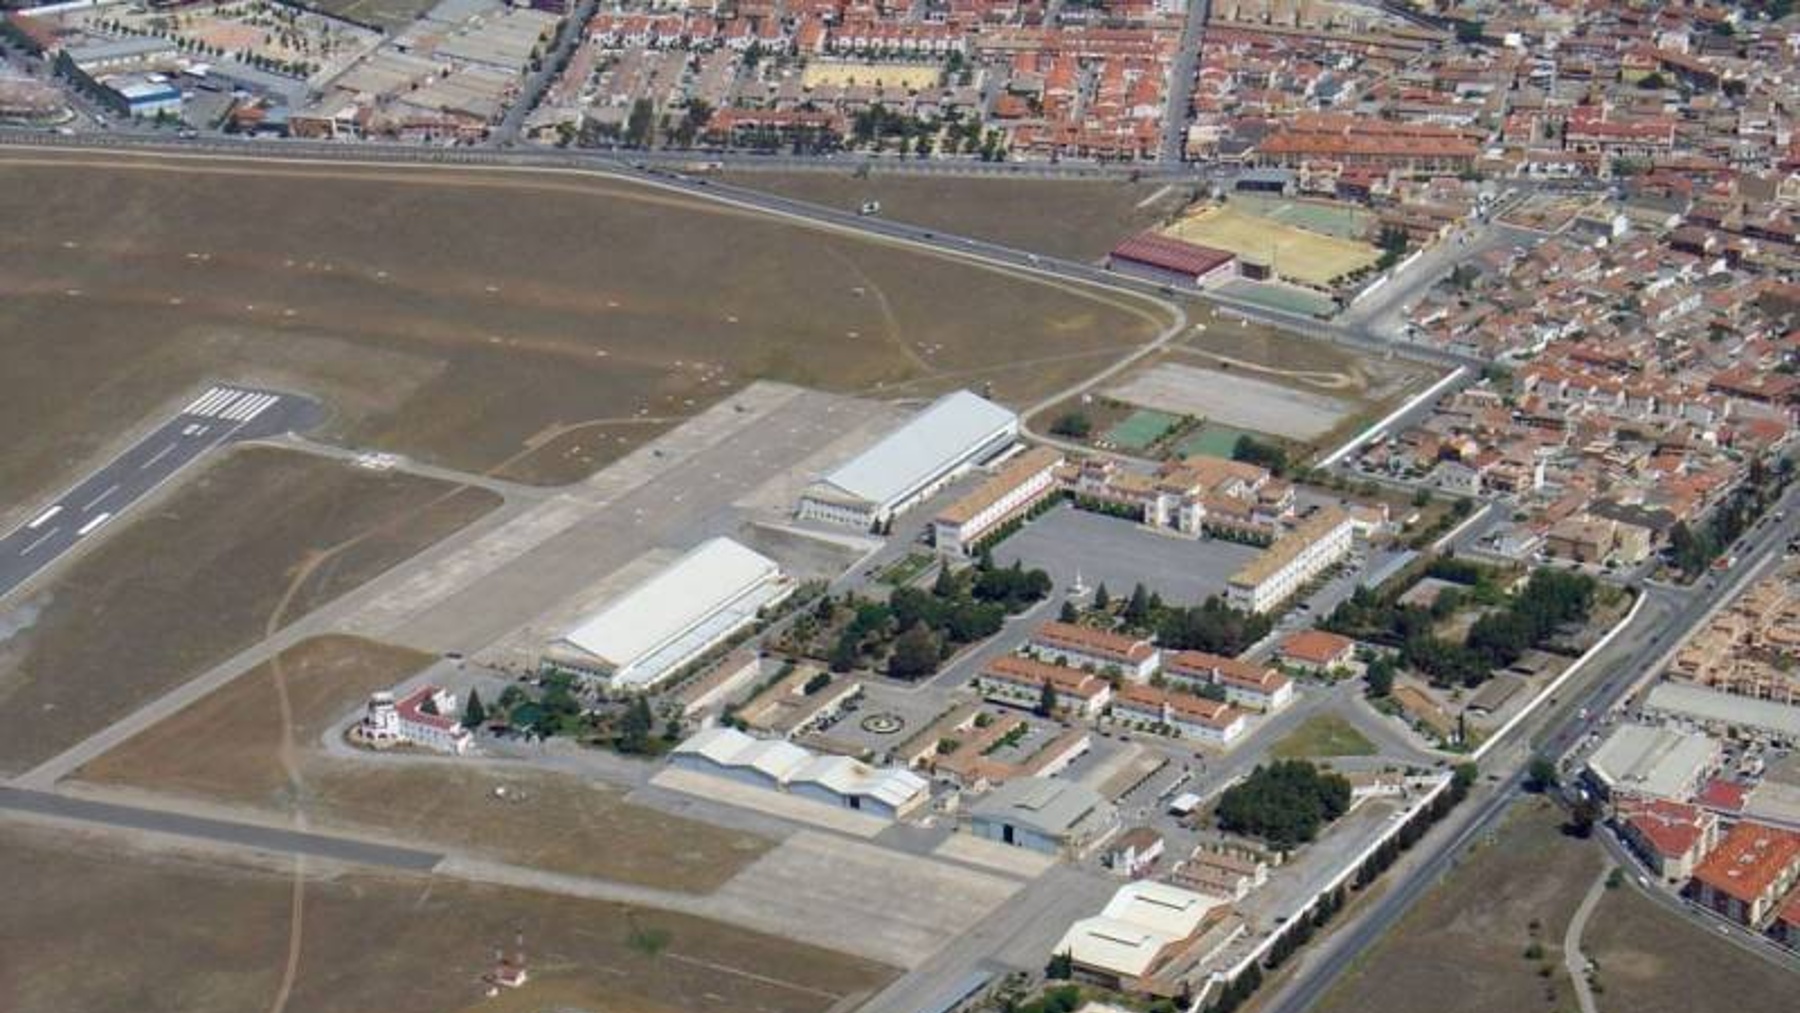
(1164, 253)
(1100, 643)
(1749, 861)
(1316, 647)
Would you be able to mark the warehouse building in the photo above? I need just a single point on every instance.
(1726, 713)
(958, 432)
(1043, 815)
(778, 765)
(1022, 484)
(1652, 761)
(1295, 559)
(1148, 937)
(693, 605)
(1167, 259)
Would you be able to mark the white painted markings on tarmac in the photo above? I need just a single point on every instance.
(98, 520)
(159, 455)
(44, 518)
(231, 404)
(39, 540)
(97, 500)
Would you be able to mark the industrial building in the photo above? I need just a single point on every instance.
(1652, 761)
(1039, 814)
(1167, 259)
(1726, 713)
(693, 605)
(1147, 936)
(775, 764)
(957, 432)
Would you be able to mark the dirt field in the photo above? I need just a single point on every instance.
(1651, 961)
(910, 76)
(1464, 946)
(1310, 258)
(227, 748)
(384, 14)
(102, 930)
(256, 539)
(487, 321)
(1235, 398)
(1063, 218)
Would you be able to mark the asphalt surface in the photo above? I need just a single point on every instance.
(247, 835)
(218, 415)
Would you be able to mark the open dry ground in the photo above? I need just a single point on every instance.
(97, 929)
(1464, 946)
(1063, 218)
(1650, 961)
(227, 748)
(530, 324)
(249, 543)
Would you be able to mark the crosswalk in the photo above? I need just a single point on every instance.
(231, 404)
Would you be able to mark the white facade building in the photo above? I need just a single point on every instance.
(1294, 560)
(1016, 488)
(425, 717)
(957, 432)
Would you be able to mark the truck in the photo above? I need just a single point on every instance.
(869, 207)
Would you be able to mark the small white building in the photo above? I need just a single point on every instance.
(425, 717)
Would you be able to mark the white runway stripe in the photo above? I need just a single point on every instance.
(213, 399)
(251, 407)
(194, 405)
(238, 397)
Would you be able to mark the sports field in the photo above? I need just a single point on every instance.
(1140, 429)
(1331, 218)
(908, 76)
(1307, 257)
(529, 324)
(1210, 440)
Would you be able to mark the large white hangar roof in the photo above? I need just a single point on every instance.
(924, 447)
(710, 579)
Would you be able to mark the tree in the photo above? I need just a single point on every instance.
(641, 122)
(1251, 450)
(1652, 81)
(1379, 677)
(1102, 598)
(1138, 608)
(1069, 613)
(1073, 424)
(473, 712)
(1046, 704)
(429, 704)
(1285, 803)
(1541, 774)
(916, 653)
(635, 727)
(1061, 966)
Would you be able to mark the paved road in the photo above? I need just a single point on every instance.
(217, 416)
(248, 835)
(1573, 959)
(1182, 75)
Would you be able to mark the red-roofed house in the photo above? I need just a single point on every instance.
(1246, 685)
(1748, 873)
(1670, 836)
(1081, 646)
(1020, 682)
(1317, 651)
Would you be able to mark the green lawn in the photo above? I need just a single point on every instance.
(906, 570)
(1324, 735)
(1210, 440)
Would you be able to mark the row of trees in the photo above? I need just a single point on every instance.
(1212, 625)
(1285, 803)
(1692, 551)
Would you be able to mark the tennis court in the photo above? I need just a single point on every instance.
(1210, 440)
(1140, 429)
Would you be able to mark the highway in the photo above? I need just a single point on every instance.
(273, 840)
(217, 416)
(1635, 657)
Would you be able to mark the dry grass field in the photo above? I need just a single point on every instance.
(1464, 946)
(486, 321)
(100, 930)
(227, 748)
(1063, 218)
(245, 545)
(389, 15)
(1311, 258)
(1651, 961)
(909, 76)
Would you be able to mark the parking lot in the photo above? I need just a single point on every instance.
(1119, 554)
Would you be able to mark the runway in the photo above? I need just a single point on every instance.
(219, 415)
